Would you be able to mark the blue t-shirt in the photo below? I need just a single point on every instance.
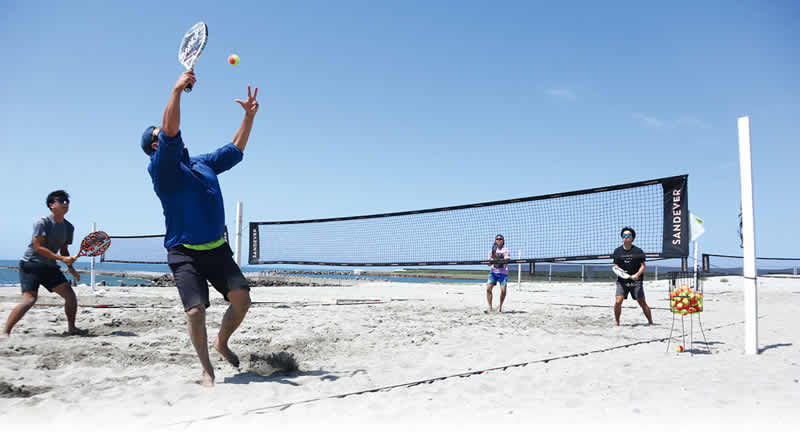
(189, 189)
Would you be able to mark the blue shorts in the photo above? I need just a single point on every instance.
(494, 278)
(33, 274)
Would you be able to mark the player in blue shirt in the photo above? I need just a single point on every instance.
(194, 215)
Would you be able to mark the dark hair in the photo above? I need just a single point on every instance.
(494, 246)
(55, 195)
(628, 228)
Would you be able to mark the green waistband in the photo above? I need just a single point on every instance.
(205, 246)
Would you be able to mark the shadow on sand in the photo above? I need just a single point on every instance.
(282, 377)
(773, 346)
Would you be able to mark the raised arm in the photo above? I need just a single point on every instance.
(171, 122)
(250, 108)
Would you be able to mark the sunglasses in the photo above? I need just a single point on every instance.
(498, 239)
(61, 200)
(627, 235)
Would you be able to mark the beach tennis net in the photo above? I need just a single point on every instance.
(733, 265)
(138, 249)
(577, 225)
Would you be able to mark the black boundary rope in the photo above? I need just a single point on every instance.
(283, 406)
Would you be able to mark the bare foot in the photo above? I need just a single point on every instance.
(77, 331)
(226, 353)
(3, 335)
(208, 380)
(500, 309)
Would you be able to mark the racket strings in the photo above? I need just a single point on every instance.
(95, 243)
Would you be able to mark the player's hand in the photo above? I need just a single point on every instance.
(68, 260)
(251, 105)
(635, 277)
(187, 78)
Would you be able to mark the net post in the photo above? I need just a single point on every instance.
(238, 252)
(696, 270)
(519, 270)
(748, 239)
(583, 271)
(656, 272)
(550, 272)
(93, 273)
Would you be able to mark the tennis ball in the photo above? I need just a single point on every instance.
(679, 349)
(233, 59)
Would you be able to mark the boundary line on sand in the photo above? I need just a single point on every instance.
(283, 406)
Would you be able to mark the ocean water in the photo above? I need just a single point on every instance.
(10, 277)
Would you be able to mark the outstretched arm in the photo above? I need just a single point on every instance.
(171, 122)
(250, 108)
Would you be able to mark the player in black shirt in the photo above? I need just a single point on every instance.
(630, 259)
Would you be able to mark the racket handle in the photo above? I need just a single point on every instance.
(188, 88)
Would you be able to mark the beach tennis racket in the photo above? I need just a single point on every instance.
(192, 45)
(621, 273)
(94, 244)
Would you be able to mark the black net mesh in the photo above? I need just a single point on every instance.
(138, 249)
(733, 265)
(567, 226)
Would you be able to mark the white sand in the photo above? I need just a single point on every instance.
(138, 369)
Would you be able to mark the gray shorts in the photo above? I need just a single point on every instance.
(635, 288)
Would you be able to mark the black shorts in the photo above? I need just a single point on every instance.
(33, 274)
(635, 288)
(193, 269)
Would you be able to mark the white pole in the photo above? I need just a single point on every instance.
(656, 272)
(550, 273)
(519, 271)
(748, 240)
(696, 272)
(92, 275)
(238, 252)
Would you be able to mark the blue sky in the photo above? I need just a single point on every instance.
(371, 107)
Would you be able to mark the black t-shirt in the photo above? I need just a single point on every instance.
(629, 260)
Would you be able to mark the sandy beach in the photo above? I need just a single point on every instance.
(402, 355)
